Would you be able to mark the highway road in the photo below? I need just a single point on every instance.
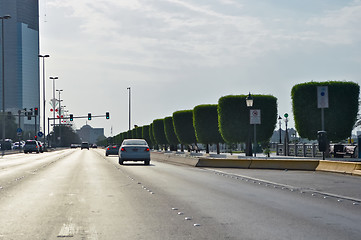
(81, 194)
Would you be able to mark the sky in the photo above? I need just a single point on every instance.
(177, 54)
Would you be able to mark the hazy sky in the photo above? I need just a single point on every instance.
(177, 54)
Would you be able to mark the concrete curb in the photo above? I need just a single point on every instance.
(353, 168)
(340, 167)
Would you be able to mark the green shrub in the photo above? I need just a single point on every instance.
(145, 134)
(339, 118)
(169, 131)
(138, 132)
(158, 131)
(205, 122)
(151, 135)
(234, 117)
(183, 126)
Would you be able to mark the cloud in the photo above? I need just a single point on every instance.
(340, 26)
(169, 33)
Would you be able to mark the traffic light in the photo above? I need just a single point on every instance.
(71, 117)
(107, 115)
(89, 116)
(36, 111)
(29, 114)
(36, 137)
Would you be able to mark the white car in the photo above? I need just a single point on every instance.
(134, 150)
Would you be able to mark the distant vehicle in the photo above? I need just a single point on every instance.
(134, 150)
(6, 145)
(17, 145)
(31, 146)
(94, 146)
(73, 145)
(112, 150)
(84, 145)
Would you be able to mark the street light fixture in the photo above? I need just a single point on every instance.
(249, 103)
(3, 77)
(44, 97)
(249, 100)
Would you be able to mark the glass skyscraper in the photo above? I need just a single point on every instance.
(21, 49)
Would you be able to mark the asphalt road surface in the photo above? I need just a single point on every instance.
(81, 194)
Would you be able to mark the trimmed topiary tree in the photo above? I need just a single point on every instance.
(170, 134)
(133, 133)
(128, 134)
(339, 118)
(205, 122)
(151, 135)
(234, 118)
(158, 131)
(183, 126)
(138, 132)
(145, 135)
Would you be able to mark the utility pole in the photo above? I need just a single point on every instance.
(44, 98)
(129, 108)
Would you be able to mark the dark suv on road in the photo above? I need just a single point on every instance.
(84, 145)
(31, 146)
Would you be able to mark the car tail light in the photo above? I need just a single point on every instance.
(122, 149)
(114, 147)
(107, 148)
(147, 150)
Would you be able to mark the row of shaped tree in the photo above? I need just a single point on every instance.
(229, 120)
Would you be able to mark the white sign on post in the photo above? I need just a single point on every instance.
(255, 116)
(322, 97)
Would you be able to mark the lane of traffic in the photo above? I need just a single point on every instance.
(85, 196)
(232, 202)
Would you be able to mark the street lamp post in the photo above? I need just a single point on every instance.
(3, 77)
(280, 124)
(129, 107)
(44, 98)
(249, 103)
(286, 147)
(53, 101)
(59, 91)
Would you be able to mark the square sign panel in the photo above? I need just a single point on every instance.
(322, 97)
(255, 116)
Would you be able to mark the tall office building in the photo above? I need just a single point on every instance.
(21, 64)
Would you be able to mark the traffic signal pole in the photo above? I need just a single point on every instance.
(107, 116)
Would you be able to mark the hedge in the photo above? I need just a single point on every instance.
(339, 118)
(169, 131)
(183, 126)
(205, 122)
(234, 117)
(158, 131)
(145, 134)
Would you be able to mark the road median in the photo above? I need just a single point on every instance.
(353, 168)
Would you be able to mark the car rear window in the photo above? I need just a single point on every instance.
(30, 143)
(135, 142)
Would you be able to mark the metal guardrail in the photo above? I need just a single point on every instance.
(300, 150)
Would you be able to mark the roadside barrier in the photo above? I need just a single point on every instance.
(353, 168)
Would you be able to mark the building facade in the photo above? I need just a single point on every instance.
(90, 135)
(21, 61)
